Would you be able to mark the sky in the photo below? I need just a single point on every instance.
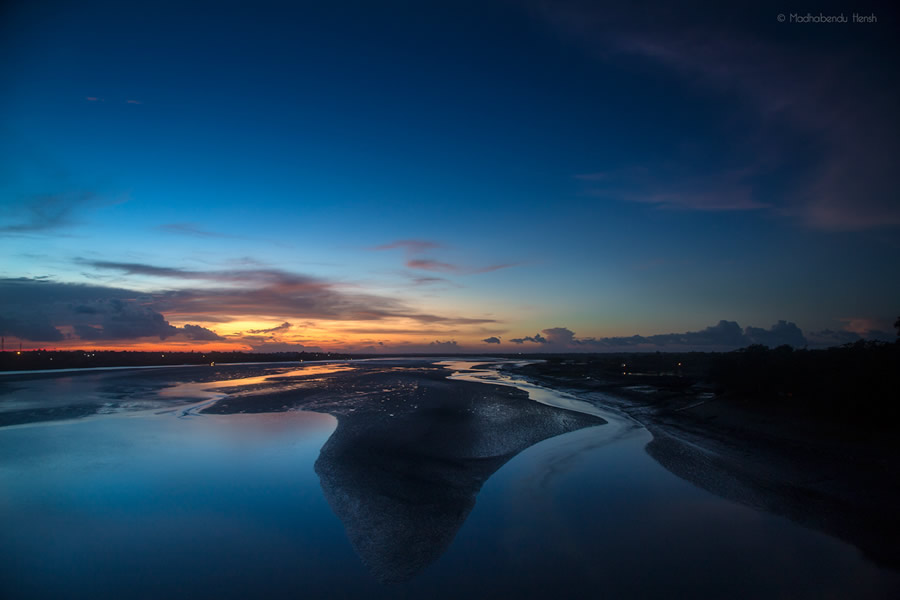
(447, 176)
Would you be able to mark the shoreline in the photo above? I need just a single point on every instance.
(824, 475)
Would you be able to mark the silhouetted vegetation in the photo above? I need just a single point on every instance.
(857, 381)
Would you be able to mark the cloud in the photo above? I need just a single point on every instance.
(417, 247)
(118, 319)
(267, 346)
(535, 339)
(830, 337)
(192, 229)
(34, 306)
(665, 188)
(863, 325)
(491, 268)
(30, 327)
(427, 264)
(283, 327)
(448, 345)
(299, 300)
(725, 335)
(133, 102)
(143, 269)
(43, 213)
(431, 280)
(414, 248)
(397, 331)
(195, 332)
(491, 340)
(411, 246)
(558, 335)
(778, 335)
(815, 117)
(38, 310)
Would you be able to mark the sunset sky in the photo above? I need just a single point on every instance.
(445, 176)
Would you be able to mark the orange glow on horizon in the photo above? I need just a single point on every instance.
(263, 334)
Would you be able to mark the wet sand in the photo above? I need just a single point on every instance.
(411, 451)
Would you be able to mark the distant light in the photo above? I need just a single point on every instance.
(679, 364)
(19, 352)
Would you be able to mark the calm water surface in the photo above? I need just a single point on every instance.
(149, 501)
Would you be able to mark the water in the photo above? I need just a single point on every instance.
(143, 499)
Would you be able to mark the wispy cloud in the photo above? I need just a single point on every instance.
(44, 213)
(491, 268)
(399, 331)
(414, 249)
(865, 325)
(668, 188)
(425, 280)
(278, 328)
(411, 246)
(818, 119)
(274, 292)
(427, 264)
(192, 229)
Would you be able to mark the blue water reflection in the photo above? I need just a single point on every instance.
(150, 505)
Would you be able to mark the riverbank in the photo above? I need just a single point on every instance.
(837, 477)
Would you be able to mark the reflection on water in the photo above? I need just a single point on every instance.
(284, 504)
(403, 486)
(279, 380)
(286, 377)
(470, 371)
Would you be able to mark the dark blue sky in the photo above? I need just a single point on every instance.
(609, 169)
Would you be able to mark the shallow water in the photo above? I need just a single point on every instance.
(151, 500)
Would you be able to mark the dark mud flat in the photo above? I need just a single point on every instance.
(411, 451)
(837, 478)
